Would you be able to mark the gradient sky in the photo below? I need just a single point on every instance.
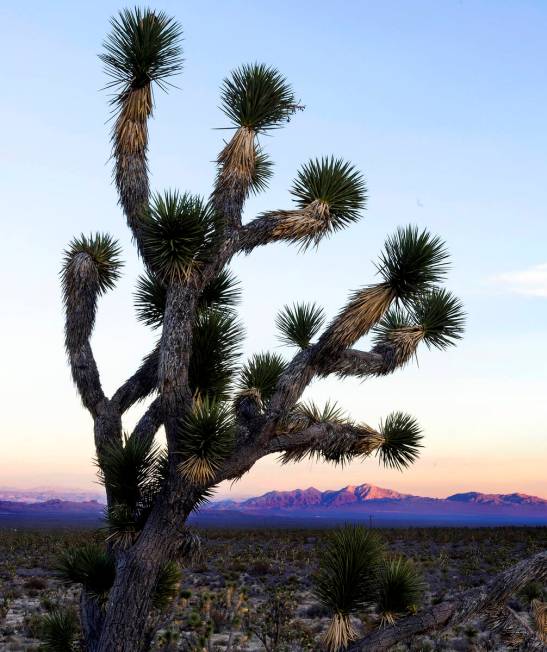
(442, 105)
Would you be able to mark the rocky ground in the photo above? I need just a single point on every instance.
(250, 583)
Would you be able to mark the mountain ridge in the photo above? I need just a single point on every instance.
(353, 495)
(311, 508)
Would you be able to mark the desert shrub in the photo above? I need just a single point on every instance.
(274, 624)
(36, 584)
(58, 631)
(260, 567)
(399, 589)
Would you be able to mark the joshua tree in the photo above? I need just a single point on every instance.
(219, 418)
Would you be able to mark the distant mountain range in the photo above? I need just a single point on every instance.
(355, 502)
(367, 496)
(43, 494)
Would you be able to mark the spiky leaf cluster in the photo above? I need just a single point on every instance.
(402, 436)
(223, 291)
(205, 439)
(435, 317)
(334, 183)
(167, 584)
(151, 294)
(105, 254)
(150, 299)
(216, 347)
(262, 172)
(143, 47)
(400, 588)
(178, 235)
(300, 323)
(59, 630)
(258, 97)
(131, 471)
(412, 262)
(261, 372)
(90, 565)
(348, 563)
(441, 316)
(309, 413)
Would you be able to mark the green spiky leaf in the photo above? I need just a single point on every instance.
(394, 320)
(262, 172)
(224, 291)
(261, 372)
(258, 97)
(310, 413)
(300, 323)
(348, 563)
(334, 183)
(441, 316)
(91, 566)
(412, 262)
(402, 435)
(178, 235)
(105, 253)
(131, 471)
(216, 348)
(150, 296)
(400, 588)
(205, 439)
(128, 469)
(167, 585)
(143, 47)
(59, 631)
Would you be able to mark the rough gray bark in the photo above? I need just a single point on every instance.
(460, 608)
(91, 617)
(515, 631)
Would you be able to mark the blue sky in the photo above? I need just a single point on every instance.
(441, 105)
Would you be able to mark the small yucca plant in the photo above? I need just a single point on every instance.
(346, 579)
(399, 590)
(59, 631)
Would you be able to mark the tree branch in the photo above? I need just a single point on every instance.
(80, 291)
(332, 441)
(141, 384)
(297, 226)
(380, 361)
(150, 422)
(515, 631)
(460, 607)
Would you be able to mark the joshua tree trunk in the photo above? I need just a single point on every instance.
(219, 418)
(91, 616)
(126, 622)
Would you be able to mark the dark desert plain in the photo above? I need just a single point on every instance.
(273, 326)
(254, 588)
